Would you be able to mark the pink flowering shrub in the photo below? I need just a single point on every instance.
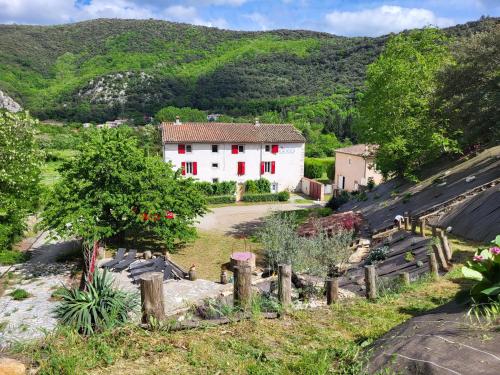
(484, 268)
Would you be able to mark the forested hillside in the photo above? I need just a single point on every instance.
(101, 69)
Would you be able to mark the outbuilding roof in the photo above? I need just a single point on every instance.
(221, 132)
(362, 149)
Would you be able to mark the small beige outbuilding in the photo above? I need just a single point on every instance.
(354, 165)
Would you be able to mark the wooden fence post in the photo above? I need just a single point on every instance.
(192, 273)
(223, 277)
(242, 285)
(285, 284)
(440, 256)
(422, 227)
(407, 221)
(434, 231)
(152, 299)
(445, 245)
(332, 290)
(371, 282)
(405, 278)
(414, 226)
(433, 264)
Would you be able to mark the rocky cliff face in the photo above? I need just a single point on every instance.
(8, 103)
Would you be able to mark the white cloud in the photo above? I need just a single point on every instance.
(64, 11)
(259, 20)
(382, 20)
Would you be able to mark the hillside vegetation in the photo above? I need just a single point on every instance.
(102, 69)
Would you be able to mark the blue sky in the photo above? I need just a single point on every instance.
(342, 17)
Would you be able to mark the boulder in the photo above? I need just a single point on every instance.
(9, 366)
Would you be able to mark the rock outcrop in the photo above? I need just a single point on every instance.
(8, 103)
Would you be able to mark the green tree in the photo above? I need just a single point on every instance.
(20, 161)
(186, 114)
(468, 94)
(394, 111)
(110, 186)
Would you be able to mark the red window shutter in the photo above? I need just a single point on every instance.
(181, 149)
(234, 149)
(242, 168)
(274, 149)
(262, 167)
(195, 168)
(273, 167)
(183, 167)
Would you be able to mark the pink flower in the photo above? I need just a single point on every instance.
(495, 250)
(478, 258)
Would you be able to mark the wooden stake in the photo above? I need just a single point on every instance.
(223, 277)
(407, 221)
(332, 290)
(371, 282)
(440, 256)
(434, 231)
(445, 245)
(242, 285)
(147, 254)
(414, 227)
(285, 284)
(405, 278)
(433, 264)
(192, 273)
(422, 227)
(152, 299)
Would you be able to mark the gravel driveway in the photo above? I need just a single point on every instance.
(243, 219)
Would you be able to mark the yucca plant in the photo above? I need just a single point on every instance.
(100, 307)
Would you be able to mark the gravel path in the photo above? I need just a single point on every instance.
(233, 220)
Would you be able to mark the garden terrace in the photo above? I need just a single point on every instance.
(346, 220)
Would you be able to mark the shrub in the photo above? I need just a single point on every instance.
(283, 196)
(335, 202)
(270, 197)
(485, 270)
(218, 199)
(377, 254)
(19, 294)
(313, 169)
(100, 307)
(370, 184)
(216, 188)
(260, 186)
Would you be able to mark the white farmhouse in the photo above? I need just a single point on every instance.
(215, 151)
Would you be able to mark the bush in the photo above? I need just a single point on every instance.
(370, 184)
(218, 199)
(485, 270)
(260, 186)
(335, 202)
(100, 307)
(216, 188)
(270, 197)
(315, 168)
(283, 196)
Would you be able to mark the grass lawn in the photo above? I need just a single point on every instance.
(210, 251)
(320, 341)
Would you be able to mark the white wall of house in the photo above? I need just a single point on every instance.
(223, 165)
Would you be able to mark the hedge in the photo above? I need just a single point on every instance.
(218, 199)
(217, 188)
(260, 186)
(316, 167)
(282, 196)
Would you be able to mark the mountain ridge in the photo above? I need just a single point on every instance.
(104, 68)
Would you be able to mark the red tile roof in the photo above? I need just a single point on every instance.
(362, 149)
(220, 132)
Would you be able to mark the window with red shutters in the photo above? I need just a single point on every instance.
(234, 149)
(195, 168)
(273, 167)
(274, 149)
(262, 167)
(181, 149)
(183, 167)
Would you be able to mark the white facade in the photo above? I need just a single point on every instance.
(217, 162)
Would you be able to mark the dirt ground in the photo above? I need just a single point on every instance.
(240, 220)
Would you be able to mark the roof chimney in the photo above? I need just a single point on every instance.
(257, 123)
(177, 120)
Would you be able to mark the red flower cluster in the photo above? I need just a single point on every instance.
(154, 217)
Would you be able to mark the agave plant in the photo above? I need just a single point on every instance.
(100, 307)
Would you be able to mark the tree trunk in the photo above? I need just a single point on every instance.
(152, 299)
(242, 286)
(285, 284)
(332, 290)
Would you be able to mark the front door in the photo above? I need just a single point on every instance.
(341, 182)
(274, 187)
